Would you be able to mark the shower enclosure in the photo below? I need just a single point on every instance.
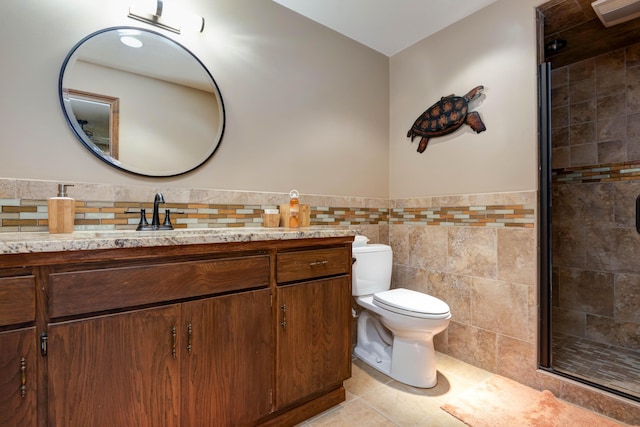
(589, 220)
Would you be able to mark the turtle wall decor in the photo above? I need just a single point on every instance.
(445, 117)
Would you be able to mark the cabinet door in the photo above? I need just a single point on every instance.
(314, 344)
(115, 370)
(18, 378)
(228, 362)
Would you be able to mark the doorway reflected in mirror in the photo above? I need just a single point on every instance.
(98, 117)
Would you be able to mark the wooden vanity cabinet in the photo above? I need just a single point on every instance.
(199, 335)
(18, 351)
(115, 370)
(203, 360)
(200, 363)
(228, 361)
(313, 339)
(18, 393)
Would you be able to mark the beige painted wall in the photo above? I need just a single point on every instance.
(307, 107)
(495, 47)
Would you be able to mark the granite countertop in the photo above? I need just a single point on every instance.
(27, 242)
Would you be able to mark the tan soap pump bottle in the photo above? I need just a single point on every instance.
(62, 211)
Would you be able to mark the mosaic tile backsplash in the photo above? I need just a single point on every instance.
(25, 215)
(624, 171)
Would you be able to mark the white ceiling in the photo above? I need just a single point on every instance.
(387, 26)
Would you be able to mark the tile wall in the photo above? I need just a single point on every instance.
(485, 272)
(476, 252)
(488, 275)
(596, 110)
(596, 179)
(23, 208)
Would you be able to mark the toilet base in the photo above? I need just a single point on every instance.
(382, 364)
(414, 362)
(374, 343)
(408, 360)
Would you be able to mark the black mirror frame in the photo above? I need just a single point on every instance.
(81, 136)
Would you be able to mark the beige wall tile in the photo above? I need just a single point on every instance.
(8, 189)
(501, 307)
(472, 251)
(473, 345)
(371, 231)
(384, 233)
(428, 247)
(517, 360)
(455, 290)
(399, 241)
(408, 277)
(517, 256)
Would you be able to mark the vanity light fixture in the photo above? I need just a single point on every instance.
(165, 15)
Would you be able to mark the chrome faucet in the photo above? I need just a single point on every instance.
(155, 218)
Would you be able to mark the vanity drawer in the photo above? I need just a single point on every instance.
(17, 300)
(87, 291)
(309, 264)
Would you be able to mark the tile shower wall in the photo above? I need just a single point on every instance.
(596, 179)
(596, 110)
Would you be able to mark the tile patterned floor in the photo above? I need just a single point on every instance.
(611, 366)
(373, 399)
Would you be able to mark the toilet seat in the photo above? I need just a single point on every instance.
(412, 303)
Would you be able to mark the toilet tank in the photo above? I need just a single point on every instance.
(372, 269)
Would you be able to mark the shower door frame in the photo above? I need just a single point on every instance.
(544, 157)
(545, 337)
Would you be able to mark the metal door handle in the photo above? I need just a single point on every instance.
(638, 214)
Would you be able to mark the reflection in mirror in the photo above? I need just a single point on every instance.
(165, 111)
(98, 117)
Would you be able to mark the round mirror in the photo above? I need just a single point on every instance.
(141, 102)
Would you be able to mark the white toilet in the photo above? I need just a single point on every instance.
(396, 327)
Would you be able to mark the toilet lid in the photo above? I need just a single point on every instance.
(412, 303)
